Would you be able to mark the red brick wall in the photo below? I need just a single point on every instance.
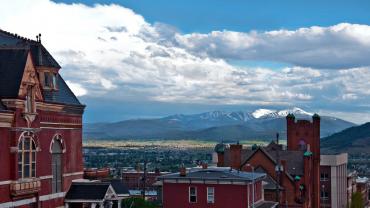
(72, 158)
(235, 196)
(309, 132)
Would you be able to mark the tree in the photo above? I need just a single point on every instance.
(356, 200)
(137, 203)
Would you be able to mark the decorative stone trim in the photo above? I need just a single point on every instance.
(72, 174)
(18, 203)
(46, 177)
(52, 196)
(26, 186)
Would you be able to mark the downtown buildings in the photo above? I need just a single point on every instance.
(292, 172)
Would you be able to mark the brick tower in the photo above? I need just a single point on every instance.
(305, 135)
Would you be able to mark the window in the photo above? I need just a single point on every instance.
(324, 195)
(192, 194)
(210, 195)
(26, 156)
(56, 164)
(50, 80)
(30, 100)
(324, 177)
(302, 145)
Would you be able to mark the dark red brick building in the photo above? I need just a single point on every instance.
(213, 188)
(133, 179)
(293, 172)
(40, 126)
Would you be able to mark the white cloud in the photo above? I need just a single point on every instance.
(110, 52)
(77, 89)
(340, 46)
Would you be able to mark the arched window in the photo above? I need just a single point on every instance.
(302, 145)
(26, 156)
(56, 151)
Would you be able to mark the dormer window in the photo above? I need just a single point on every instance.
(50, 80)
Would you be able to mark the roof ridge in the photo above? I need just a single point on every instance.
(17, 36)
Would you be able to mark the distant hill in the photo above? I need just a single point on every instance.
(215, 125)
(355, 139)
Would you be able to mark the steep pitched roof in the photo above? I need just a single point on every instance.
(63, 95)
(41, 57)
(119, 187)
(87, 191)
(12, 64)
(13, 56)
(294, 159)
(2, 107)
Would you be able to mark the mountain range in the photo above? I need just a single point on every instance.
(355, 139)
(261, 124)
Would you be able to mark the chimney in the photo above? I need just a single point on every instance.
(235, 155)
(182, 171)
(283, 164)
(204, 165)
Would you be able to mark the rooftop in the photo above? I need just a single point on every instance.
(87, 191)
(216, 173)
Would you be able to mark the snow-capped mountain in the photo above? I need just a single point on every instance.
(238, 116)
(267, 113)
(214, 125)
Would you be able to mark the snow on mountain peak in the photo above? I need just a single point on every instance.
(267, 113)
(262, 112)
(294, 110)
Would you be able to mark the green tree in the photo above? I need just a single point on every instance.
(137, 203)
(356, 200)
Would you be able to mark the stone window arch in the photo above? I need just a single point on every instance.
(27, 155)
(56, 149)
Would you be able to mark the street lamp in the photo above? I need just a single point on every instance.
(249, 165)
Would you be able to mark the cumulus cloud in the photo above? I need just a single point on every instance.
(337, 47)
(110, 52)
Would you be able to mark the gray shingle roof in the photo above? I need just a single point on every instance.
(87, 191)
(40, 55)
(294, 159)
(63, 95)
(13, 56)
(12, 63)
(118, 186)
(216, 174)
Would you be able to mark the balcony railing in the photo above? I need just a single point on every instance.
(25, 186)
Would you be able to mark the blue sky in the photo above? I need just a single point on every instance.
(150, 58)
(245, 15)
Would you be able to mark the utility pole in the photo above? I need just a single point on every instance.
(144, 175)
(277, 170)
(253, 184)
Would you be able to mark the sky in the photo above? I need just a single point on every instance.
(129, 59)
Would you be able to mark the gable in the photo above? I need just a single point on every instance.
(29, 78)
(262, 159)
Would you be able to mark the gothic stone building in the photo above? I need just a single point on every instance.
(293, 173)
(40, 126)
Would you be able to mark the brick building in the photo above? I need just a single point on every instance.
(213, 188)
(133, 179)
(293, 172)
(40, 126)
